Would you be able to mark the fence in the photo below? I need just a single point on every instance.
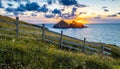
(63, 43)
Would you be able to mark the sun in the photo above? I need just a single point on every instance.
(77, 20)
(80, 20)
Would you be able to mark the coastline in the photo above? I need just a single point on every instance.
(88, 42)
(91, 33)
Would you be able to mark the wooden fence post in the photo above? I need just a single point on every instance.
(102, 50)
(84, 45)
(61, 39)
(43, 32)
(17, 26)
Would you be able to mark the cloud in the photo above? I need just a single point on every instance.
(104, 7)
(118, 13)
(21, 8)
(27, 7)
(1, 4)
(66, 15)
(73, 11)
(82, 13)
(49, 15)
(69, 15)
(106, 10)
(18, 1)
(33, 14)
(10, 9)
(68, 2)
(32, 6)
(97, 17)
(49, 2)
(81, 5)
(9, 4)
(114, 15)
(56, 11)
(43, 8)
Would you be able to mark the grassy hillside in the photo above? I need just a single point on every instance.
(27, 52)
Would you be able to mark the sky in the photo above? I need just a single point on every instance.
(52, 11)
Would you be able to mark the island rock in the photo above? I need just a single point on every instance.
(63, 24)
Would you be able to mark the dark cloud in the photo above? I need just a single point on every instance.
(43, 8)
(97, 17)
(106, 10)
(73, 11)
(9, 4)
(69, 15)
(49, 15)
(81, 5)
(118, 13)
(66, 15)
(27, 7)
(32, 6)
(1, 4)
(104, 7)
(68, 2)
(49, 2)
(10, 9)
(114, 15)
(56, 11)
(82, 13)
(21, 8)
(18, 1)
(33, 14)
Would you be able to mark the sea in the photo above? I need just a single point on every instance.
(104, 33)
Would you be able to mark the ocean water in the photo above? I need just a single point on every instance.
(105, 33)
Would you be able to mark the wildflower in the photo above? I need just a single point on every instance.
(13, 40)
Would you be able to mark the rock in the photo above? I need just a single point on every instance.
(76, 25)
(61, 24)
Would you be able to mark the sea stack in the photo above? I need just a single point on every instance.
(63, 24)
(76, 25)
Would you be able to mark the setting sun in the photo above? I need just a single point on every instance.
(77, 20)
(80, 20)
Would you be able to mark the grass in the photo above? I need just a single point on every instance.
(29, 53)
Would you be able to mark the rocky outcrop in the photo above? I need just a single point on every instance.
(76, 25)
(63, 24)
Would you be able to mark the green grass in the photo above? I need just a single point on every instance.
(29, 53)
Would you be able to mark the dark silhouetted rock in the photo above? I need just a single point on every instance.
(76, 25)
(61, 24)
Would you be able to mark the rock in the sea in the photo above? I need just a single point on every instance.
(76, 25)
(61, 24)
